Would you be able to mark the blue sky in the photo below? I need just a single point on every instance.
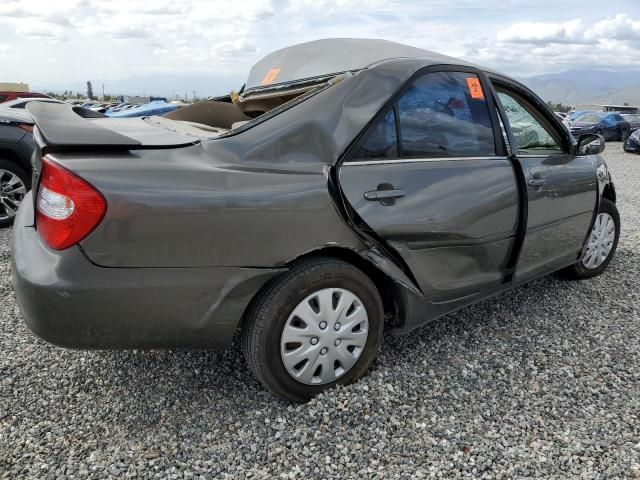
(50, 43)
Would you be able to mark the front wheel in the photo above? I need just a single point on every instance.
(601, 244)
(316, 326)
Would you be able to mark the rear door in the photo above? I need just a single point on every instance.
(610, 127)
(561, 186)
(430, 181)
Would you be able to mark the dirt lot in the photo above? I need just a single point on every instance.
(540, 382)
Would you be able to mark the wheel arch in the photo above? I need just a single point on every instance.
(389, 288)
(609, 192)
(383, 282)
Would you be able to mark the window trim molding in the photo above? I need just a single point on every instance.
(396, 116)
(356, 163)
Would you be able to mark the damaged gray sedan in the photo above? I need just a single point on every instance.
(350, 187)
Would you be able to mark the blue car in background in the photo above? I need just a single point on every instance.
(157, 107)
(610, 125)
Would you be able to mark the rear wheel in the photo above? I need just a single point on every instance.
(601, 244)
(14, 185)
(317, 326)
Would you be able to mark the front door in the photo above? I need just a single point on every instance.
(430, 181)
(561, 188)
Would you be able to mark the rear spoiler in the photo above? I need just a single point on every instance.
(63, 128)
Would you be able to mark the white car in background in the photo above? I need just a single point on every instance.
(564, 120)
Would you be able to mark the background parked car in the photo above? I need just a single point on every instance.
(576, 114)
(563, 118)
(633, 119)
(610, 125)
(632, 144)
(157, 107)
(8, 96)
(22, 102)
(16, 148)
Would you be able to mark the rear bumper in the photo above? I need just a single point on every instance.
(631, 145)
(68, 301)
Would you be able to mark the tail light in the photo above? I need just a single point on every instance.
(67, 207)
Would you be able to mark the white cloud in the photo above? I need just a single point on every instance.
(612, 41)
(621, 27)
(544, 33)
(117, 38)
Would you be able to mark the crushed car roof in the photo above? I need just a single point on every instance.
(321, 58)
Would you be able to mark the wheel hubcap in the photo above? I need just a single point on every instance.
(324, 336)
(12, 192)
(601, 241)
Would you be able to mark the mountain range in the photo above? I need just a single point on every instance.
(587, 86)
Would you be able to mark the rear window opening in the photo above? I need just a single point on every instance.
(238, 111)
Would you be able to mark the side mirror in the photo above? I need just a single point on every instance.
(590, 144)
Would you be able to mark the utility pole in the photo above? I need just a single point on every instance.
(103, 92)
(194, 95)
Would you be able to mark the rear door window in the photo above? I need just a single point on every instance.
(445, 114)
(440, 114)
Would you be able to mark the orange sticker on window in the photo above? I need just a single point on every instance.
(270, 76)
(475, 88)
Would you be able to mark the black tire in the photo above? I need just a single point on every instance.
(266, 317)
(16, 169)
(624, 135)
(578, 270)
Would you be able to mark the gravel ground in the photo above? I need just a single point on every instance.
(540, 382)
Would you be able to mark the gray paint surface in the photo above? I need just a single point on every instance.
(560, 210)
(455, 224)
(193, 230)
(73, 303)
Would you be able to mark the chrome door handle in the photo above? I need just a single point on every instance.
(382, 194)
(536, 182)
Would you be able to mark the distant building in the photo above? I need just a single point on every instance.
(14, 87)
(606, 108)
(619, 108)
